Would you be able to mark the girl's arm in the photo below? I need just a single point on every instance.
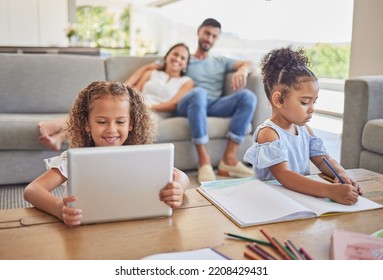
(38, 193)
(171, 105)
(319, 163)
(172, 194)
(341, 193)
(322, 166)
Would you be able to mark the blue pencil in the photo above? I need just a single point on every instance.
(332, 170)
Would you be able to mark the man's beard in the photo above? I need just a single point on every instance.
(201, 46)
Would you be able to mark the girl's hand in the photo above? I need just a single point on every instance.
(348, 180)
(343, 193)
(71, 216)
(172, 194)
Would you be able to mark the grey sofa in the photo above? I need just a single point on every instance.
(362, 137)
(40, 87)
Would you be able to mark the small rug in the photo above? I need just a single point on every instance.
(11, 196)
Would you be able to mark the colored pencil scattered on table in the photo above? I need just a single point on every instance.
(252, 256)
(306, 254)
(258, 250)
(244, 238)
(290, 245)
(288, 251)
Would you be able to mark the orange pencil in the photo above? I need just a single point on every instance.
(252, 256)
(276, 245)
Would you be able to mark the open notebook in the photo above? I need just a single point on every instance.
(251, 202)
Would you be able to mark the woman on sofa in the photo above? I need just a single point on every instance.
(161, 88)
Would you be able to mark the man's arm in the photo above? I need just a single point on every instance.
(242, 70)
(136, 76)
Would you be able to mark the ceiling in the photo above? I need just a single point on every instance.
(150, 3)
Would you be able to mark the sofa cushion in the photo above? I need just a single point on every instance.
(373, 135)
(177, 129)
(20, 132)
(33, 83)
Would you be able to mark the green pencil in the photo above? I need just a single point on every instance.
(249, 239)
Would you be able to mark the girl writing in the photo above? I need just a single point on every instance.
(285, 144)
(104, 114)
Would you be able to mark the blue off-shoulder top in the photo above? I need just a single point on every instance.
(294, 149)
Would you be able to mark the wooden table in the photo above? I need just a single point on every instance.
(28, 233)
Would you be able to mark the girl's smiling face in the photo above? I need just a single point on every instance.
(109, 121)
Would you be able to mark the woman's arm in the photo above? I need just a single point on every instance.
(171, 105)
(143, 79)
(137, 75)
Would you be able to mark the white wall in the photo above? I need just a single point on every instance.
(33, 22)
(367, 38)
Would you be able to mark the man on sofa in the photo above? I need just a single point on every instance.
(208, 73)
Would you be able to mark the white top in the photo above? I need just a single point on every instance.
(161, 88)
(59, 163)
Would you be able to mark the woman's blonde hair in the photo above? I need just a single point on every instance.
(141, 119)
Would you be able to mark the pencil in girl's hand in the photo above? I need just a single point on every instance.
(332, 170)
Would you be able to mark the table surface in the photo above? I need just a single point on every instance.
(28, 233)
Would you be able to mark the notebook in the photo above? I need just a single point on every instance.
(120, 183)
(250, 202)
(348, 245)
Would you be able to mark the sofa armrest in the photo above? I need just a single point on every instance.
(363, 101)
(263, 109)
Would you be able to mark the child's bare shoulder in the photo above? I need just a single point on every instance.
(267, 134)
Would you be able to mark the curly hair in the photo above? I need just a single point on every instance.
(143, 125)
(284, 69)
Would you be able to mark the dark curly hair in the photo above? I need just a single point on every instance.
(284, 69)
(143, 125)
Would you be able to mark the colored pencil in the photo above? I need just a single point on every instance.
(293, 249)
(249, 239)
(275, 245)
(290, 256)
(306, 254)
(252, 256)
(332, 169)
(257, 249)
